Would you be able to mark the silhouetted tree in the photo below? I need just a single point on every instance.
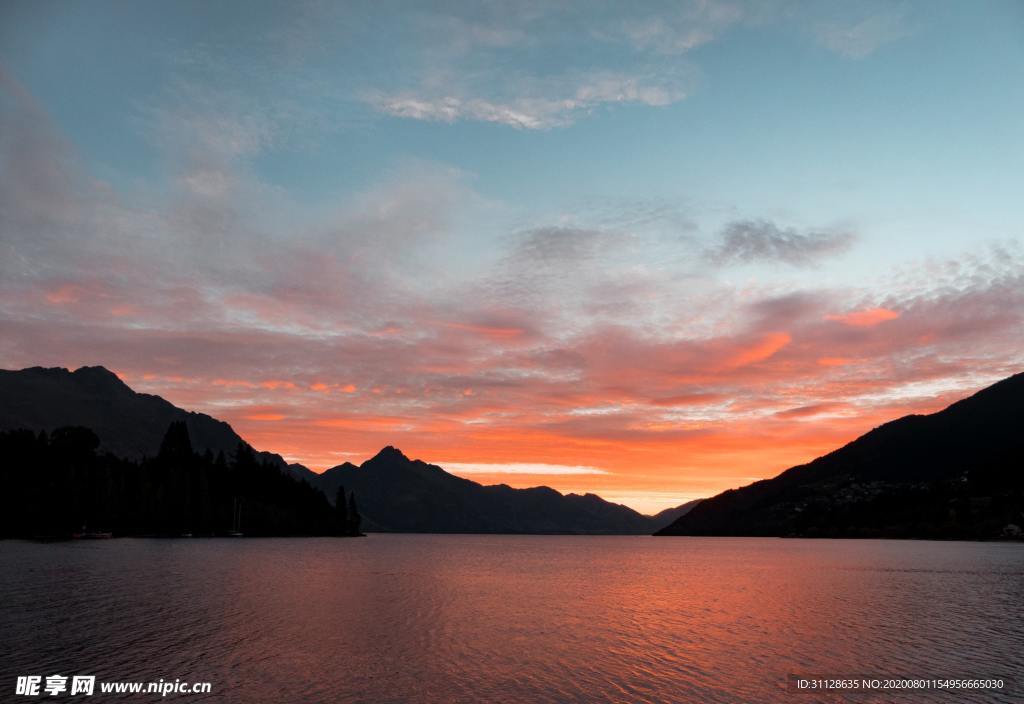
(176, 445)
(53, 484)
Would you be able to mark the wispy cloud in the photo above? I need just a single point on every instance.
(527, 114)
(562, 246)
(682, 28)
(746, 241)
(548, 104)
(520, 468)
(483, 67)
(860, 37)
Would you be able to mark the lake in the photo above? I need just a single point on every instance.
(439, 618)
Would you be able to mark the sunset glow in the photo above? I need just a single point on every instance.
(607, 278)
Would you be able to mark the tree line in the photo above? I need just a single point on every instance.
(57, 484)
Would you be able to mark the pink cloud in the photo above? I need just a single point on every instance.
(68, 293)
(865, 318)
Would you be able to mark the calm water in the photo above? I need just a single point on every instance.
(404, 618)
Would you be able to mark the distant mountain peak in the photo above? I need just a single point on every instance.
(99, 375)
(390, 453)
(399, 494)
(95, 370)
(91, 378)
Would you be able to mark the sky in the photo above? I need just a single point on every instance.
(651, 251)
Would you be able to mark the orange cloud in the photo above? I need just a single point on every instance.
(493, 332)
(263, 417)
(277, 384)
(240, 383)
(834, 361)
(666, 410)
(865, 318)
(364, 423)
(766, 347)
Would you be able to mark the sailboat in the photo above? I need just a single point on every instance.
(236, 521)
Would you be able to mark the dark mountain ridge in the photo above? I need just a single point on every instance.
(129, 424)
(670, 515)
(957, 473)
(394, 492)
(402, 495)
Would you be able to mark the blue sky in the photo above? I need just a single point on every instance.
(803, 104)
(545, 176)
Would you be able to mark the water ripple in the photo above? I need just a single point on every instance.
(396, 618)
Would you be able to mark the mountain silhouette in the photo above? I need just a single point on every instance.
(670, 515)
(958, 473)
(394, 492)
(129, 424)
(403, 495)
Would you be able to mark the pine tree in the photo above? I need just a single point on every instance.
(176, 444)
